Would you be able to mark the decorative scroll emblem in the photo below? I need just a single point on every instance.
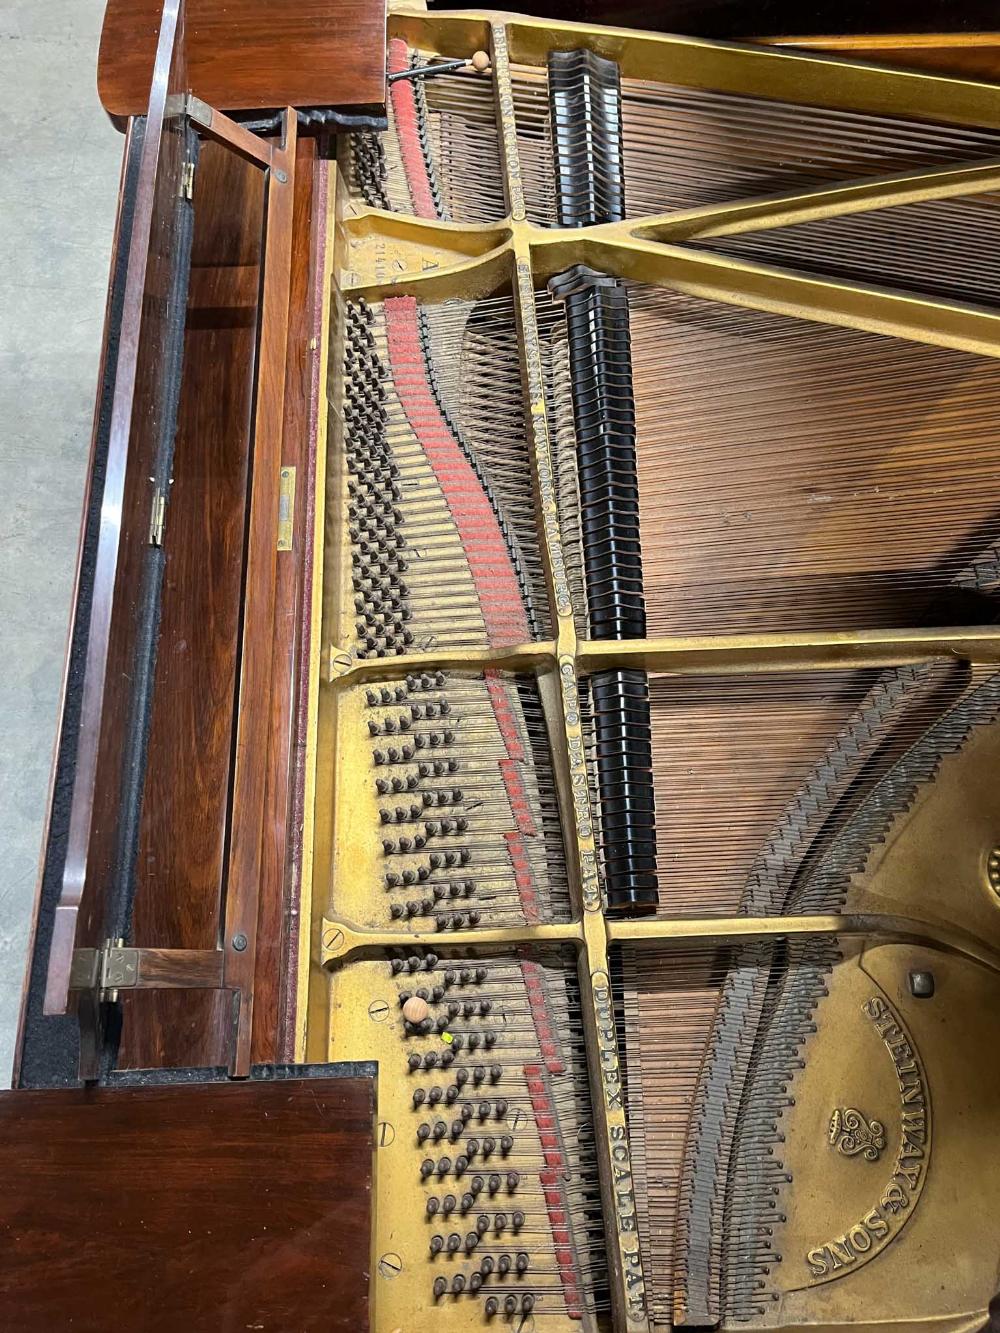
(852, 1133)
(891, 1203)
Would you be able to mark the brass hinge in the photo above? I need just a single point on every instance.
(187, 181)
(114, 967)
(109, 969)
(156, 517)
(286, 509)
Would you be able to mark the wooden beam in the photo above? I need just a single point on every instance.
(257, 630)
(214, 125)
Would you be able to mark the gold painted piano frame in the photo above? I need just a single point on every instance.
(434, 261)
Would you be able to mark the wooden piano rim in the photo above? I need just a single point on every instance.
(242, 872)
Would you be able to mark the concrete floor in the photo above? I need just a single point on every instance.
(60, 158)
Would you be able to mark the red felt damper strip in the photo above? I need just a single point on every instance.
(551, 1179)
(499, 597)
(404, 115)
(486, 551)
(518, 798)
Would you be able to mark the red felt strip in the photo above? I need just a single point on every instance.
(503, 612)
(404, 114)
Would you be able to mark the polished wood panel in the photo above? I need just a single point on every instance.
(187, 969)
(254, 698)
(259, 53)
(272, 985)
(85, 910)
(966, 55)
(207, 1208)
(179, 870)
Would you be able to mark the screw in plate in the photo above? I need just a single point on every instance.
(922, 985)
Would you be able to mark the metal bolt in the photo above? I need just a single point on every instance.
(922, 985)
(280, 176)
(240, 943)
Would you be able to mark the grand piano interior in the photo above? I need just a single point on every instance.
(532, 709)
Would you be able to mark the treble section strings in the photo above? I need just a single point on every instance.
(688, 147)
(797, 476)
(921, 247)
